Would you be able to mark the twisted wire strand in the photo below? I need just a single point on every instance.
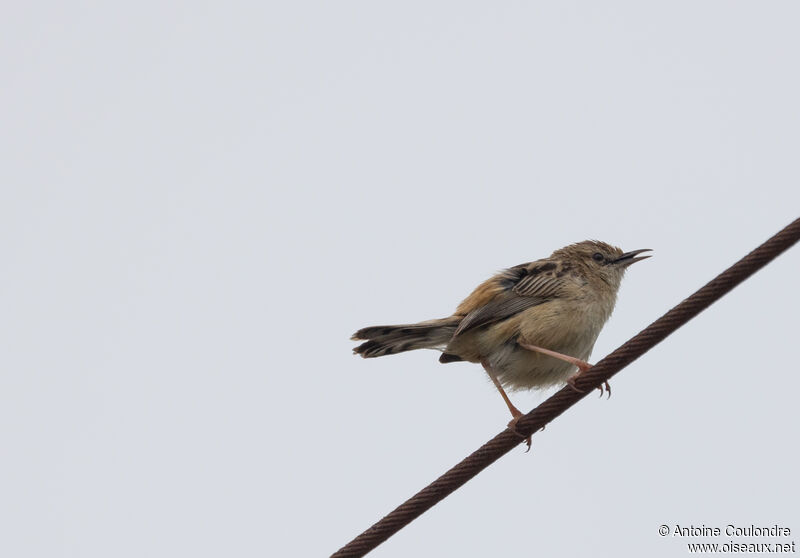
(563, 399)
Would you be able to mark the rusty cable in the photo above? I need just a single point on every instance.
(565, 398)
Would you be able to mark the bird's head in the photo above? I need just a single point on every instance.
(599, 260)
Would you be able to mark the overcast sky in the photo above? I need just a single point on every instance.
(201, 202)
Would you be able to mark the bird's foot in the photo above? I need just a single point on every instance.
(512, 425)
(571, 383)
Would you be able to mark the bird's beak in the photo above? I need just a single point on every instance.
(628, 258)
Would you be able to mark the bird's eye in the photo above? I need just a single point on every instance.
(598, 257)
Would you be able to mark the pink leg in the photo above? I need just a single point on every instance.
(515, 413)
(582, 365)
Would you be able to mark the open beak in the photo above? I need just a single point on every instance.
(628, 258)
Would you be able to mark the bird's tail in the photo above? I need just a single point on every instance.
(387, 340)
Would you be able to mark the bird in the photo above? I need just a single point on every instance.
(530, 326)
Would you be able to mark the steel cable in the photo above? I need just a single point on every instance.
(567, 397)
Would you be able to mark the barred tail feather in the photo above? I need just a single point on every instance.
(390, 339)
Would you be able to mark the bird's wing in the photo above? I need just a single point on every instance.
(518, 289)
(496, 310)
(543, 285)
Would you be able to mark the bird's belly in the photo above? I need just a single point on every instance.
(562, 326)
(519, 368)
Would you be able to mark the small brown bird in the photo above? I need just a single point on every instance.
(530, 326)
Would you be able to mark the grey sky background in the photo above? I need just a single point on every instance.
(200, 203)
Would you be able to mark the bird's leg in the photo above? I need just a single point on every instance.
(582, 365)
(515, 413)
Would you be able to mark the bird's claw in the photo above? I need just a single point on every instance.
(571, 383)
(512, 425)
(607, 389)
(606, 385)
